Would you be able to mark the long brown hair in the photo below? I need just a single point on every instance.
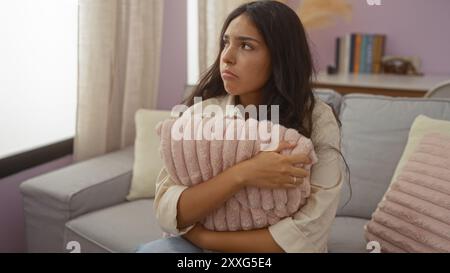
(290, 82)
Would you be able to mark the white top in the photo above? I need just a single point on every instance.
(382, 81)
(308, 229)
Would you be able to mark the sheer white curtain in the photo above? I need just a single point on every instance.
(119, 57)
(212, 14)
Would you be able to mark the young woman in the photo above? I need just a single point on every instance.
(264, 60)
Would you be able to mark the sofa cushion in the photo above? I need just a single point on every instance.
(190, 161)
(103, 230)
(347, 235)
(53, 198)
(147, 161)
(422, 126)
(414, 214)
(374, 134)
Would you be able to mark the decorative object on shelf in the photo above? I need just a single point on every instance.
(401, 65)
(321, 13)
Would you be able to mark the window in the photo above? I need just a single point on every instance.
(38, 73)
(192, 34)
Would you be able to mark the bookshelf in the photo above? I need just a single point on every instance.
(379, 84)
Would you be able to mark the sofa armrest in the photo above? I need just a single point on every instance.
(50, 200)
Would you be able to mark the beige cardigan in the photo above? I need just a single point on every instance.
(308, 229)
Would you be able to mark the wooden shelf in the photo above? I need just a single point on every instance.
(379, 84)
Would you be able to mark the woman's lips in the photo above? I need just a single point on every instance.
(228, 75)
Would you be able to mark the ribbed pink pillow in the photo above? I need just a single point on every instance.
(414, 215)
(190, 162)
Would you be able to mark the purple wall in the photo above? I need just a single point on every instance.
(12, 225)
(173, 71)
(413, 28)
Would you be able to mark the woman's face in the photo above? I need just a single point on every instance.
(245, 63)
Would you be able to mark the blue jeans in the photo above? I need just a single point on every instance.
(176, 244)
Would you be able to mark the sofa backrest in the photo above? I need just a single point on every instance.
(330, 97)
(374, 134)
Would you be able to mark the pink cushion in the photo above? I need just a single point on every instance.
(414, 215)
(190, 162)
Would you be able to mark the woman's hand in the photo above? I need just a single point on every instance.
(272, 169)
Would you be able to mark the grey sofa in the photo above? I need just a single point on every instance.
(85, 202)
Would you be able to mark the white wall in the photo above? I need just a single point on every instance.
(38, 73)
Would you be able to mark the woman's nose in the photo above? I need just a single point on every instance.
(228, 55)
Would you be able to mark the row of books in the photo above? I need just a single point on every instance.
(360, 53)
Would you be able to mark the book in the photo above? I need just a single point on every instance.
(344, 49)
(370, 54)
(360, 53)
(337, 53)
(379, 48)
(363, 54)
(357, 53)
(352, 52)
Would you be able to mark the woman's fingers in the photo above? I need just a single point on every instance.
(292, 181)
(284, 145)
(289, 186)
(288, 181)
(298, 172)
(285, 184)
(299, 158)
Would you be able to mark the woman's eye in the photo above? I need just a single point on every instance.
(246, 46)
